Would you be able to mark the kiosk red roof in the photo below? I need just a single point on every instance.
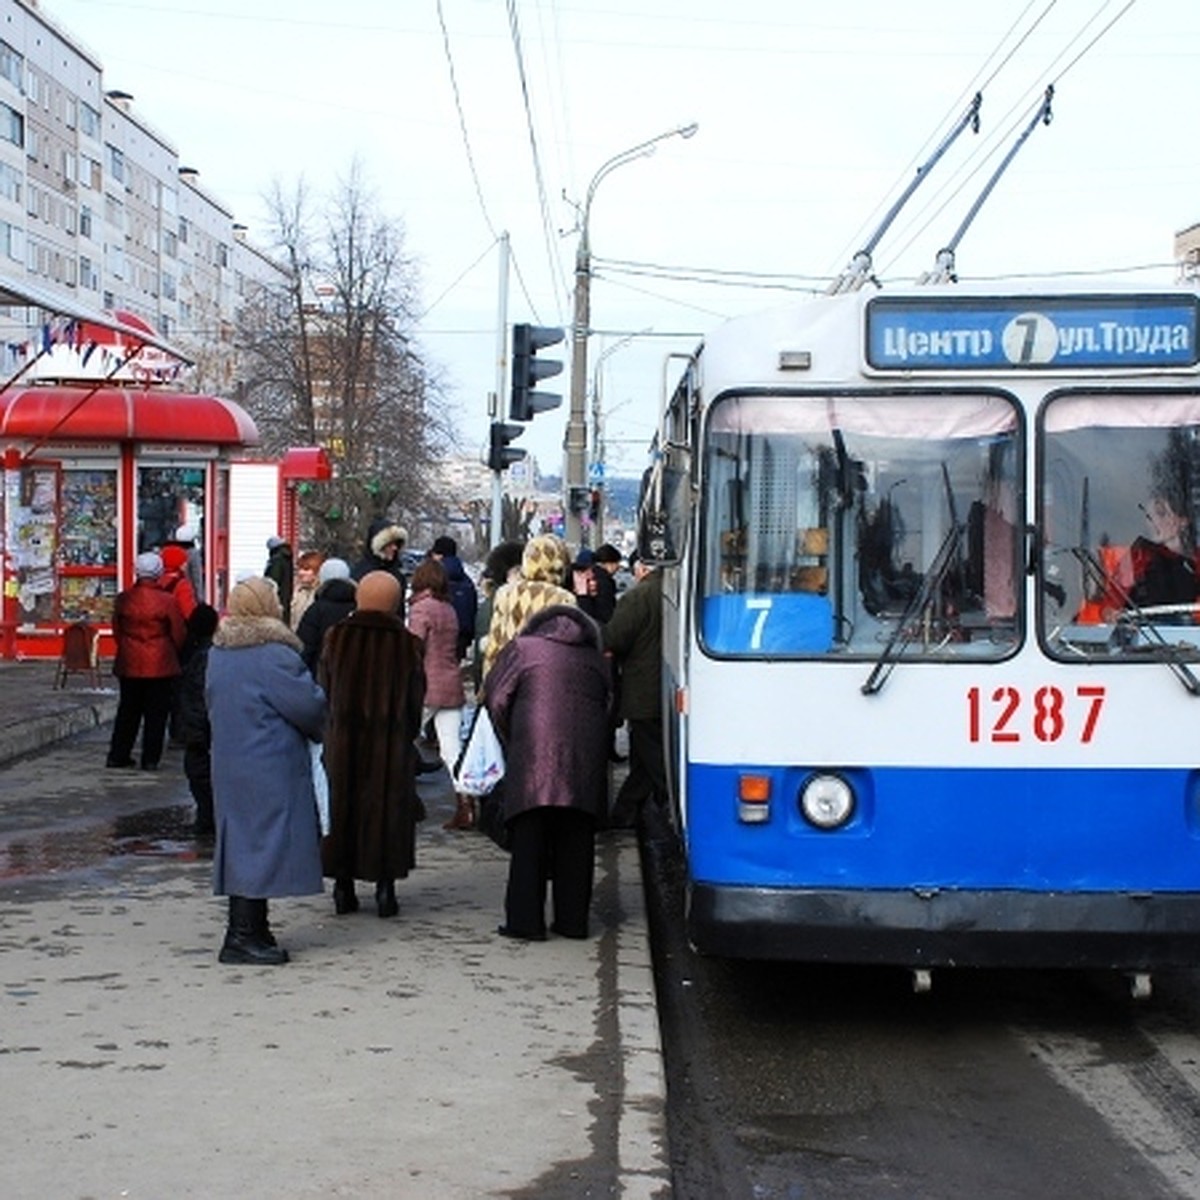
(109, 414)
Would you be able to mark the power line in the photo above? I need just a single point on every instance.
(547, 227)
(462, 122)
(937, 204)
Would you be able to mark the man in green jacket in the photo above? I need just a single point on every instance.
(634, 639)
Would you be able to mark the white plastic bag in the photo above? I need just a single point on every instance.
(480, 766)
(320, 786)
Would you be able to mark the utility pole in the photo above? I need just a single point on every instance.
(575, 442)
(495, 399)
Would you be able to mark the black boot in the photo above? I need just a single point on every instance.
(385, 898)
(344, 899)
(248, 939)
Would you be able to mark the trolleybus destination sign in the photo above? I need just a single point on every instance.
(1023, 332)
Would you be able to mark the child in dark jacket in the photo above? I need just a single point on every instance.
(193, 716)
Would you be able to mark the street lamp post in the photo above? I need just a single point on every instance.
(575, 443)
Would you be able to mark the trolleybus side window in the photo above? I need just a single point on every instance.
(834, 523)
(1120, 499)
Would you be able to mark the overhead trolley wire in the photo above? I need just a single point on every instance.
(547, 226)
(462, 122)
(976, 86)
(921, 221)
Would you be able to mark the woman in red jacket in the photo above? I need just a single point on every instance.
(149, 631)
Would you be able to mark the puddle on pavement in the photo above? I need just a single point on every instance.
(161, 833)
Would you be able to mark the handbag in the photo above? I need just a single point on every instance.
(480, 765)
(320, 786)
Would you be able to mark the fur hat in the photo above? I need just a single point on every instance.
(379, 591)
(333, 568)
(148, 565)
(545, 559)
(255, 597)
(386, 536)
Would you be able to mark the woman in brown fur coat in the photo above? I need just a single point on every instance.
(372, 672)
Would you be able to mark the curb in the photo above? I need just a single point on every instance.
(35, 733)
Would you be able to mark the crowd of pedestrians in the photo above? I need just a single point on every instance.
(322, 679)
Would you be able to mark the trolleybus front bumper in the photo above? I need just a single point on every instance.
(940, 927)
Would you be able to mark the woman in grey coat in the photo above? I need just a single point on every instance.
(548, 696)
(264, 708)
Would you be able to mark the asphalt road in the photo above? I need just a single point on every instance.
(823, 1083)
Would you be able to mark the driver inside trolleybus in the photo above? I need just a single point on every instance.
(1159, 571)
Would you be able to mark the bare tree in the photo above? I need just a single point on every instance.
(330, 359)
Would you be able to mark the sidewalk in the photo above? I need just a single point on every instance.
(34, 713)
(422, 1057)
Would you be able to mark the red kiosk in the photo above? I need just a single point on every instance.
(97, 470)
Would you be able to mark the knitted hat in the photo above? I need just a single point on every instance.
(185, 533)
(545, 559)
(255, 597)
(173, 558)
(273, 542)
(445, 545)
(333, 568)
(379, 591)
(148, 565)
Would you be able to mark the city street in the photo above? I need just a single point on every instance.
(788, 1081)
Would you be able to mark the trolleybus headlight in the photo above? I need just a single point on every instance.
(827, 801)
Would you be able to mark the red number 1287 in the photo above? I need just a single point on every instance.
(1047, 715)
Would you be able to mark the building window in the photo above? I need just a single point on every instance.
(89, 120)
(12, 66)
(90, 174)
(89, 277)
(12, 241)
(116, 163)
(12, 125)
(114, 261)
(85, 220)
(114, 213)
(168, 286)
(183, 231)
(11, 181)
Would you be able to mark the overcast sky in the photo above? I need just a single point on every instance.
(812, 117)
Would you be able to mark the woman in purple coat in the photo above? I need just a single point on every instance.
(548, 696)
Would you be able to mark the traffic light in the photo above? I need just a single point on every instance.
(528, 371)
(500, 454)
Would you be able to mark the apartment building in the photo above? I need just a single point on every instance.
(96, 206)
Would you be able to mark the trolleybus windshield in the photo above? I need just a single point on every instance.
(850, 525)
(1120, 496)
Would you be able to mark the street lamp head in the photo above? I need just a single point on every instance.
(686, 131)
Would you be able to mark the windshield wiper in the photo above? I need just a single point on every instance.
(915, 613)
(1137, 617)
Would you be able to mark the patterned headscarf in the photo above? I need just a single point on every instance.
(545, 560)
(543, 570)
